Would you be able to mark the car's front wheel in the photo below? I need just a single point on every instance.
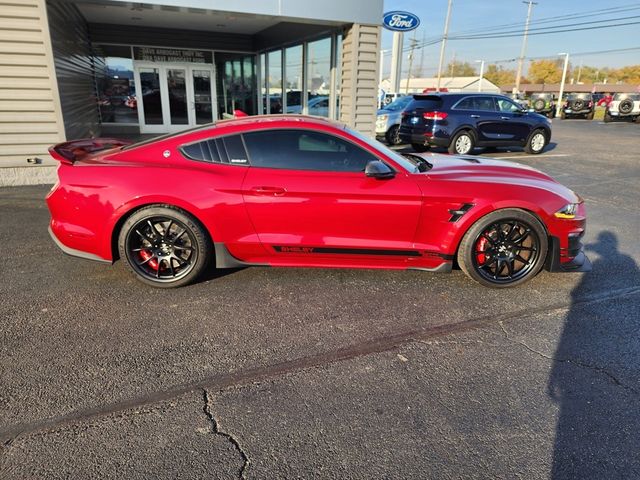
(393, 135)
(164, 246)
(463, 143)
(504, 248)
(536, 142)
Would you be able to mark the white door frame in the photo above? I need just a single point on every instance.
(167, 126)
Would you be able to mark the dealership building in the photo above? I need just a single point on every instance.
(77, 69)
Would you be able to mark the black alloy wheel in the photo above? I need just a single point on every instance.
(164, 247)
(504, 249)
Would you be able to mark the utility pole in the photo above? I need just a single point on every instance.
(524, 44)
(422, 53)
(413, 42)
(564, 78)
(481, 74)
(453, 64)
(444, 43)
(579, 73)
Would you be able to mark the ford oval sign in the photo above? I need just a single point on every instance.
(400, 21)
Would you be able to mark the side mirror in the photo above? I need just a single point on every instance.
(378, 169)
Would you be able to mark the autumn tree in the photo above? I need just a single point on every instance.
(545, 71)
(499, 75)
(460, 69)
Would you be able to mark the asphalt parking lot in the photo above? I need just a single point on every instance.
(294, 373)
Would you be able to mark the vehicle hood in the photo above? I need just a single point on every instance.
(493, 171)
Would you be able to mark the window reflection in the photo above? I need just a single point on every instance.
(236, 84)
(293, 79)
(116, 91)
(319, 81)
(274, 82)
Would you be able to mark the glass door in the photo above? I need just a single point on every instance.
(174, 97)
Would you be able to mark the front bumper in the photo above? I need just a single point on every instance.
(576, 260)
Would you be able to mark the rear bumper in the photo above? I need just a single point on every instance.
(421, 139)
(73, 252)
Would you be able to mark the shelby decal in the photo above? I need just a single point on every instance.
(294, 249)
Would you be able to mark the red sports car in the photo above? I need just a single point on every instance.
(297, 191)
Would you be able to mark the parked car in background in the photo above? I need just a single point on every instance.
(462, 121)
(520, 99)
(387, 98)
(317, 106)
(543, 103)
(578, 105)
(624, 105)
(388, 120)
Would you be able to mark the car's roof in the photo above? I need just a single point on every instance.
(419, 96)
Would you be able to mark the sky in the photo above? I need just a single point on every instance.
(483, 16)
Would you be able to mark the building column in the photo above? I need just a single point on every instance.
(359, 86)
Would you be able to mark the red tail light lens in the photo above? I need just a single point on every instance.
(435, 115)
(590, 104)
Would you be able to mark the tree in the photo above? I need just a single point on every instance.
(546, 71)
(460, 69)
(499, 75)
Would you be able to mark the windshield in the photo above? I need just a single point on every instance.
(405, 163)
(581, 96)
(398, 104)
(632, 96)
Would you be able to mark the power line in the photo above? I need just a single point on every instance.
(580, 54)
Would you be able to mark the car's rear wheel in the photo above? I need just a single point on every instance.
(393, 135)
(590, 115)
(607, 117)
(504, 248)
(420, 147)
(536, 142)
(463, 143)
(164, 246)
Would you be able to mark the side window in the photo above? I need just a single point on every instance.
(217, 150)
(465, 104)
(506, 105)
(484, 103)
(305, 150)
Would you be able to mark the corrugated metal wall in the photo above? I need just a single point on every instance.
(74, 64)
(359, 89)
(30, 118)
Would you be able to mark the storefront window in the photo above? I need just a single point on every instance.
(116, 91)
(150, 86)
(275, 82)
(319, 77)
(263, 83)
(338, 74)
(293, 79)
(236, 84)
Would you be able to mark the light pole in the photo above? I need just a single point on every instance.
(481, 74)
(524, 45)
(564, 78)
(444, 43)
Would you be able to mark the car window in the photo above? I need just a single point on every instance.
(465, 104)
(305, 150)
(484, 103)
(506, 105)
(217, 150)
(398, 104)
(428, 102)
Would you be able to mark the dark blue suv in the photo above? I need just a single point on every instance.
(462, 121)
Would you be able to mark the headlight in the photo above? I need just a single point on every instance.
(568, 211)
(383, 118)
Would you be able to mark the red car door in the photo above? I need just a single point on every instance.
(306, 192)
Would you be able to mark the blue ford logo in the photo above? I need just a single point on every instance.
(400, 21)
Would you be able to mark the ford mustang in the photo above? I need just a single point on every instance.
(297, 191)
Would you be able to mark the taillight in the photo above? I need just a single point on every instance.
(590, 104)
(435, 115)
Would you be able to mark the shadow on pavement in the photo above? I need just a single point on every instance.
(598, 430)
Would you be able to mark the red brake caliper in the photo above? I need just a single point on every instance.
(480, 247)
(146, 255)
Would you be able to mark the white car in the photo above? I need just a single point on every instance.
(624, 105)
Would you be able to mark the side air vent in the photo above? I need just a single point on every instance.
(458, 214)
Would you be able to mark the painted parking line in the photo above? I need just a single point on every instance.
(526, 155)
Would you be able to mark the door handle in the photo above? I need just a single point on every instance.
(273, 191)
(505, 118)
(474, 116)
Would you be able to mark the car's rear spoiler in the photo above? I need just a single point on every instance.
(69, 152)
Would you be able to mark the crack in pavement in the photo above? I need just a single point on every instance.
(216, 430)
(382, 344)
(571, 361)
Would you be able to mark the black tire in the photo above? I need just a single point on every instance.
(420, 147)
(607, 117)
(638, 119)
(164, 246)
(563, 115)
(590, 115)
(462, 143)
(577, 105)
(523, 266)
(393, 135)
(551, 113)
(533, 142)
(626, 106)
(539, 105)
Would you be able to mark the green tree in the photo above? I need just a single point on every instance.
(460, 69)
(499, 75)
(546, 71)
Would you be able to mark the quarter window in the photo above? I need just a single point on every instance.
(305, 150)
(465, 104)
(217, 150)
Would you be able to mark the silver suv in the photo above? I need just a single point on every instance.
(624, 105)
(389, 118)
